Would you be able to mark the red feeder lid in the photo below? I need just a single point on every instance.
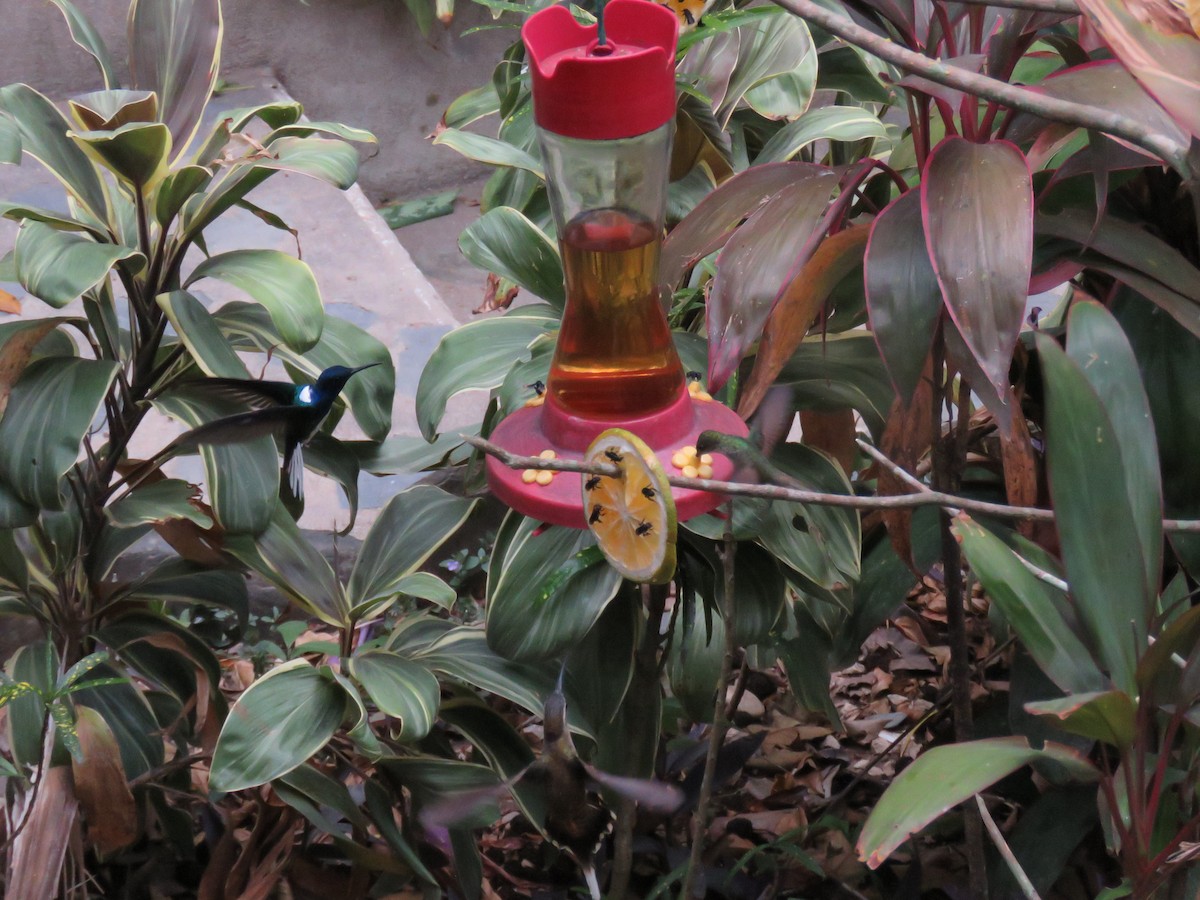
(620, 89)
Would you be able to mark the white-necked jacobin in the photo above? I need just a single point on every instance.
(295, 411)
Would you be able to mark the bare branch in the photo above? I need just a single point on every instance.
(817, 498)
(1065, 111)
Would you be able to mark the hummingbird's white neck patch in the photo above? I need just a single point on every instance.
(306, 394)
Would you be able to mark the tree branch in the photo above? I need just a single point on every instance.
(1065, 111)
(817, 498)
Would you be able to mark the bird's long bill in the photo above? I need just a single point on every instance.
(360, 368)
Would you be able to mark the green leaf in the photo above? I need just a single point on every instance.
(1099, 347)
(410, 212)
(829, 123)
(19, 342)
(1031, 607)
(1106, 573)
(471, 106)
(10, 140)
(283, 556)
(177, 581)
(410, 527)
(201, 335)
(85, 35)
(136, 153)
(242, 478)
(547, 586)
(403, 689)
(770, 46)
(489, 150)
(463, 654)
(80, 669)
(176, 189)
(175, 51)
(943, 777)
(20, 213)
(111, 109)
(57, 267)
(283, 284)
(1108, 716)
(505, 242)
(695, 661)
(162, 501)
(44, 137)
(36, 664)
(427, 586)
(166, 654)
(50, 409)
(474, 356)
(279, 722)
(127, 713)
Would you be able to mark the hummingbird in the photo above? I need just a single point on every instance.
(575, 817)
(294, 411)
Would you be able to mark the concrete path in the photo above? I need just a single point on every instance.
(365, 274)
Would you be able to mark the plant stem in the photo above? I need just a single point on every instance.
(1065, 111)
(720, 723)
(817, 498)
(948, 458)
(1005, 851)
(645, 680)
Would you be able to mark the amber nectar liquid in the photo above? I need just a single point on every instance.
(614, 357)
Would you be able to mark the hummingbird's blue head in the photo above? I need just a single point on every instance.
(334, 378)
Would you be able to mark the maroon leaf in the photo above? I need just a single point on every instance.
(715, 217)
(903, 298)
(1105, 84)
(1155, 41)
(977, 206)
(757, 264)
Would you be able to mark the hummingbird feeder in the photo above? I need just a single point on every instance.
(604, 106)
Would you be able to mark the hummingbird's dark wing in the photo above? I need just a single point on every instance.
(240, 427)
(250, 391)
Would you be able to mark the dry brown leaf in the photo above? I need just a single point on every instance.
(109, 810)
(9, 303)
(833, 433)
(38, 851)
(908, 434)
(1020, 467)
(16, 352)
(834, 259)
(493, 297)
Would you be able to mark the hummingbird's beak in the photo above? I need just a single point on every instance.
(360, 368)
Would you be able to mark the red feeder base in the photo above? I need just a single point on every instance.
(531, 430)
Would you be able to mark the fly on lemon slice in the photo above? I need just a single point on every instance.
(632, 515)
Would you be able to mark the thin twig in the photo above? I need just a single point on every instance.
(1005, 851)
(1069, 113)
(817, 498)
(1039, 573)
(716, 736)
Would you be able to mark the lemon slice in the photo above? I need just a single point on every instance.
(633, 514)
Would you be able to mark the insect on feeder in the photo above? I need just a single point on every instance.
(604, 105)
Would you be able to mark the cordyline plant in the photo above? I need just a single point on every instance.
(1043, 145)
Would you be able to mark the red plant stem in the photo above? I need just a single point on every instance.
(948, 41)
(916, 125)
(989, 118)
(1173, 844)
(946, 111)
(1160, 769)
(1114, 810)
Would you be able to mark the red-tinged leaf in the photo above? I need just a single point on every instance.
(836, 257)
(903, 297)
(977, 206)
(758, 262)
(108, 806)
(1097, 524)
(1108, 85)
(1099, 347)
(16, 352)
(943, 777)
(1154, 40)
(961, 360)
(715, 217)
